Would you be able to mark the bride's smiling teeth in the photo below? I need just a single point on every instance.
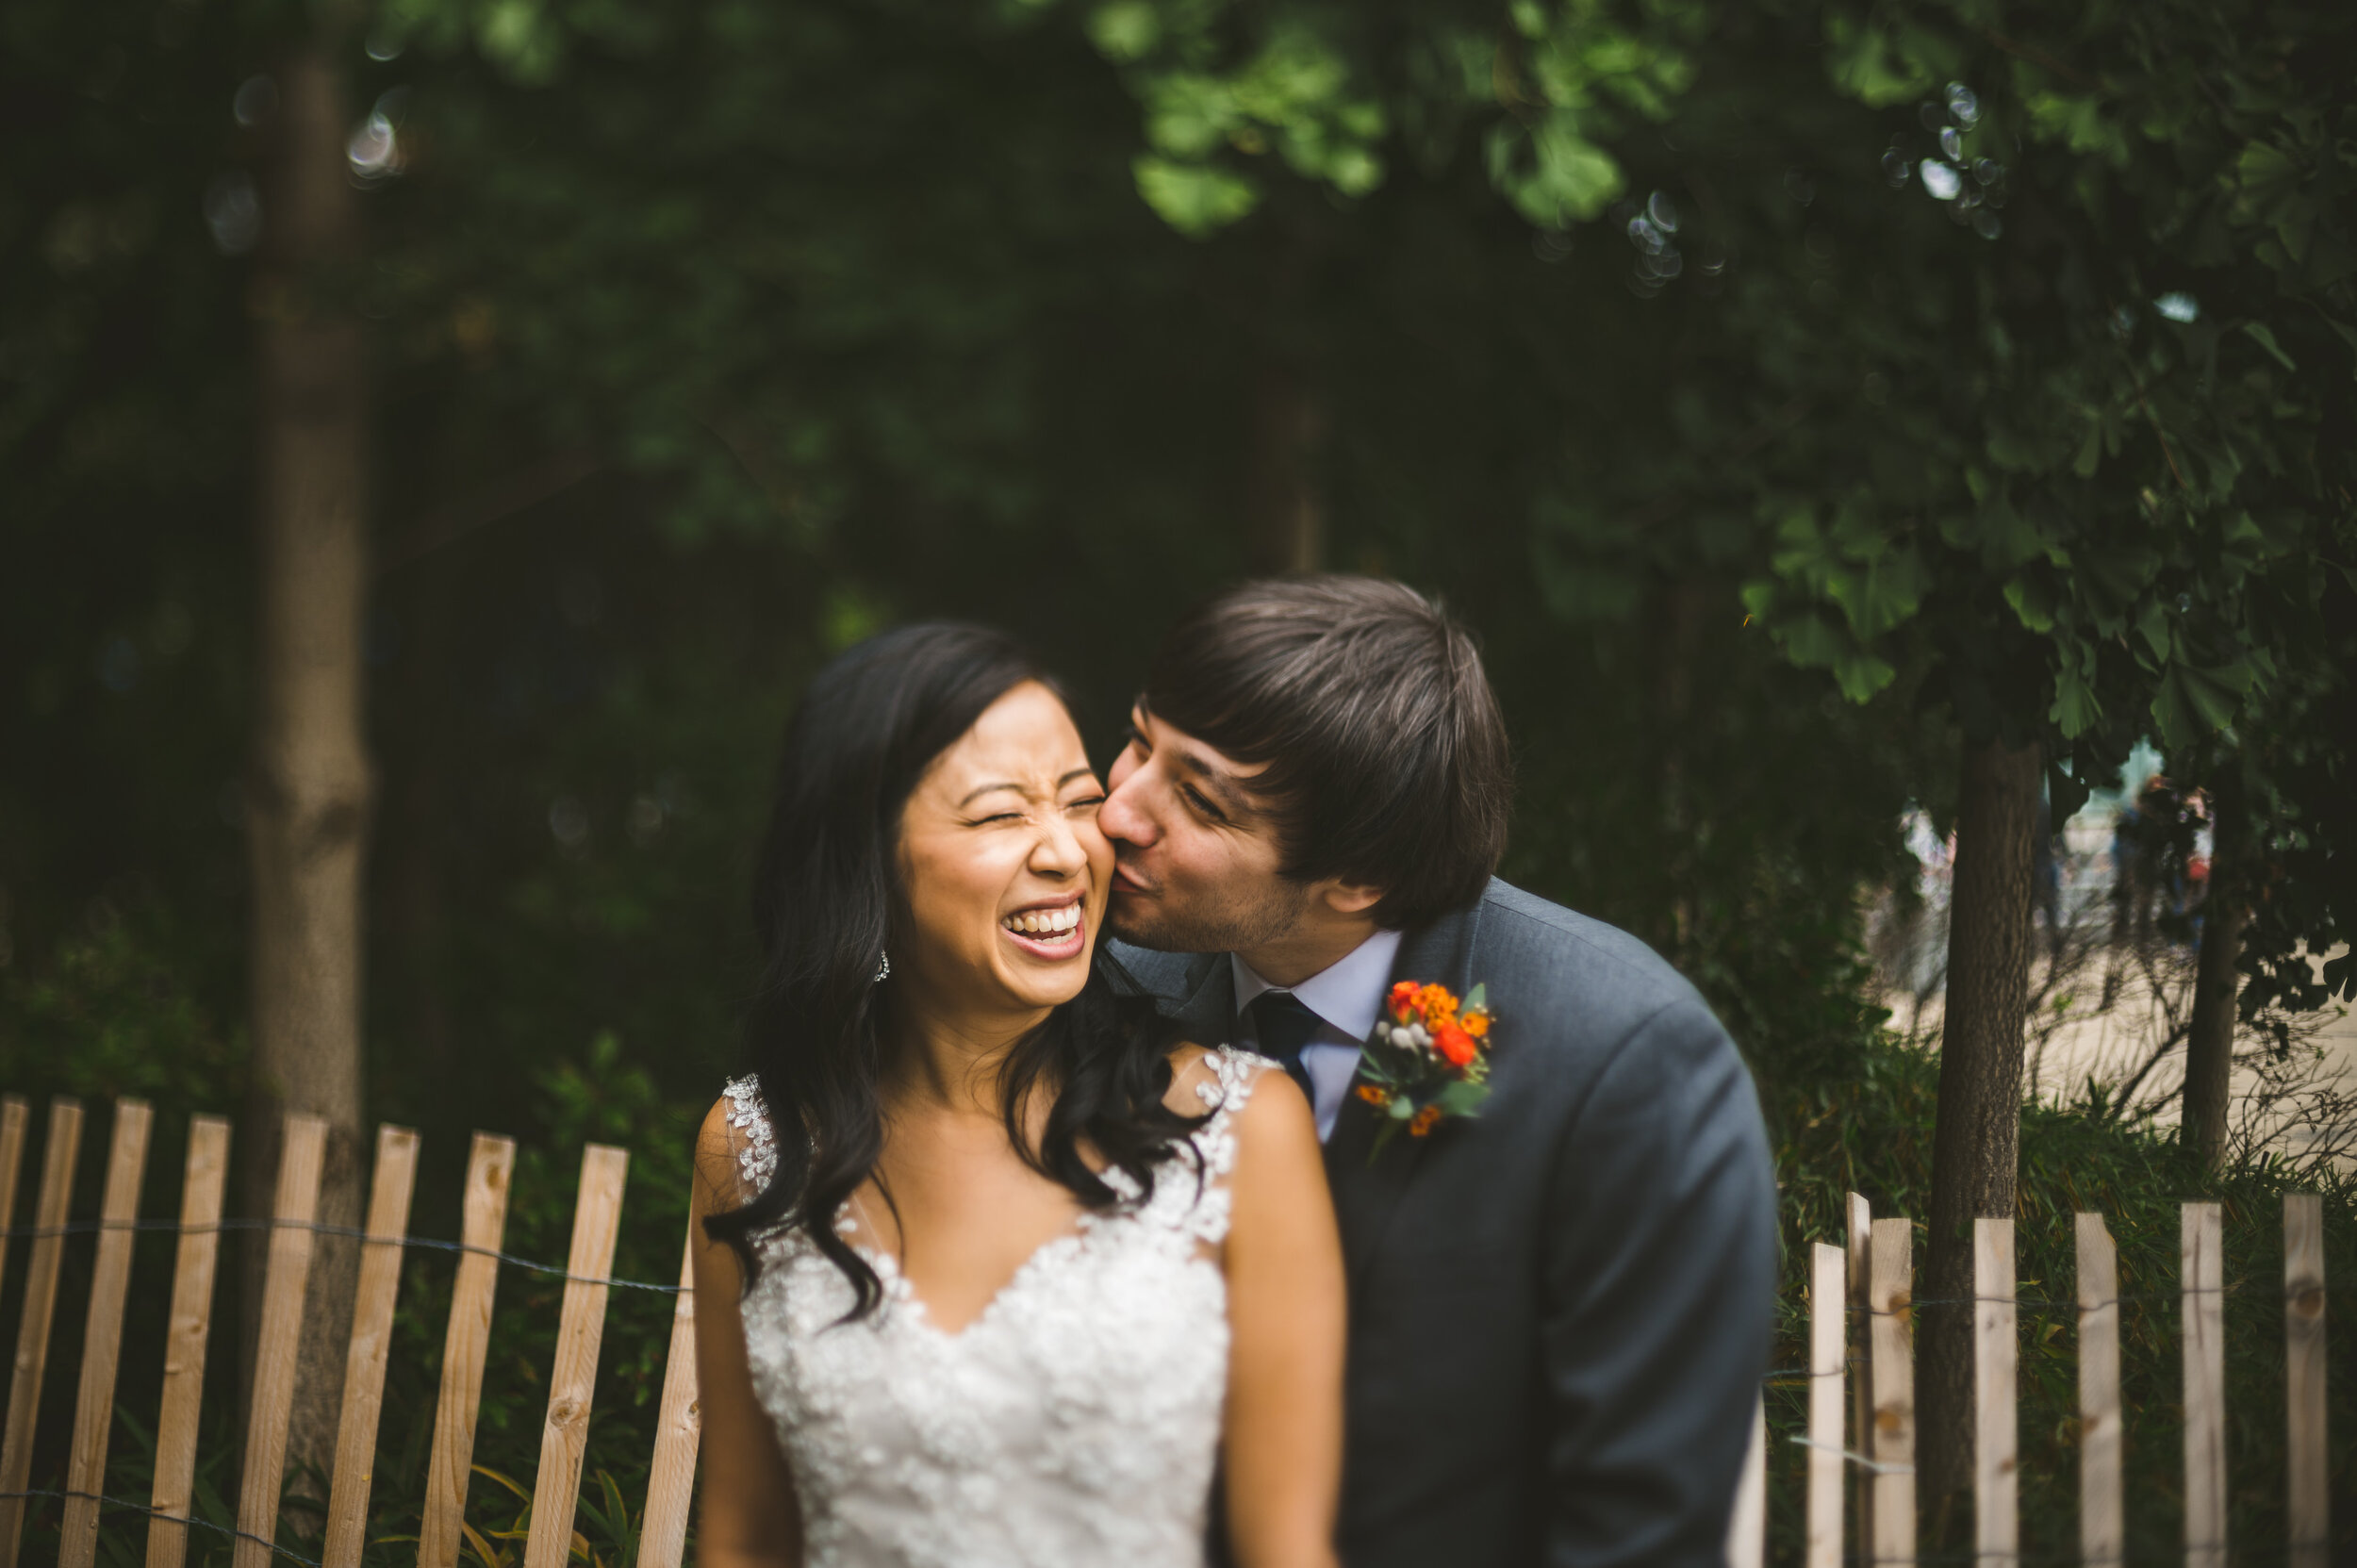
(1034, 922)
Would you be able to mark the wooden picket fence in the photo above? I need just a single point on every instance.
(1861, 1311)
(597, 1217)
(1869, 1284)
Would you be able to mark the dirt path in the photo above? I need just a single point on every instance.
(2303, 1107)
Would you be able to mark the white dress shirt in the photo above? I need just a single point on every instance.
(1347, 996)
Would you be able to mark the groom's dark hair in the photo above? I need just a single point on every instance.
(1383, 754)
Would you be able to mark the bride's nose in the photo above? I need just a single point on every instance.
(1058, 851)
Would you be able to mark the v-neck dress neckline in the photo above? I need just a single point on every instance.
(1074, 1420)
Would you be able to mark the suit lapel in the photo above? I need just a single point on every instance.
(1207, 1016)
(1367, 1190)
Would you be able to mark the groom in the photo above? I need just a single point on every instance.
(1559, 1310)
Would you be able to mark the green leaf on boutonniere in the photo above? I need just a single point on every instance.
(1462, 1099)
(1477, 1000)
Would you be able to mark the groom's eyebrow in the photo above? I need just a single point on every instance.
(1231, 798)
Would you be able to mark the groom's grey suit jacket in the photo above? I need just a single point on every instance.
(1559, 1311)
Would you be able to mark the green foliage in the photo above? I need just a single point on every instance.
(1541, 88)
(2140, 476)
(109, 1013)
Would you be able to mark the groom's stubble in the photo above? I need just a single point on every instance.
(1209, 919)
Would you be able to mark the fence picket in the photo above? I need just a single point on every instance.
(2203, 1281)
(389, 1192)
(2103, 1526)
(102, 1333)
(1747, 1524)
(1857, 1344)
(490, 1163)
(1996, 1357)
(14, 1115)
(2309, 1487)
(678, 1432)
(185, 1337)
(1892, 1333)
(1828, 1349)
(50, 1207)
(565, 1438)
(301, 1155)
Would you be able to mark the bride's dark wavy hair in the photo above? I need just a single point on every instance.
(828, 901)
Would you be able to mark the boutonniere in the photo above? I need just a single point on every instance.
(1429, 1058)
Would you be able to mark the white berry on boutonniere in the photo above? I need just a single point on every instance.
(1428, 1059)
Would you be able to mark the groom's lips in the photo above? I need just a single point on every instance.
(1125, 883)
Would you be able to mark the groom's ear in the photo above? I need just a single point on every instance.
(1348, 897)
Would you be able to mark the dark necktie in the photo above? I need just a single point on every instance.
(1284, 1026)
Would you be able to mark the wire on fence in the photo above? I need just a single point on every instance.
(2174, 1556)
(2032, 1304)
(1873, 1466)
(127, 1506)
(91, 1227)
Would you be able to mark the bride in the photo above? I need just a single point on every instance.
(991, 1271)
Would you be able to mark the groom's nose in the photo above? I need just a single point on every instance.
(1122, 817)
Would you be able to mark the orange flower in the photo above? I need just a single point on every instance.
(1455, 1043)
(1424, 1121)
(1436, 1006)
(1403, 1000)
(1374, 1095)
(1474, 1024)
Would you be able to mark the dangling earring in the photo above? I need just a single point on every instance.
(883, 967)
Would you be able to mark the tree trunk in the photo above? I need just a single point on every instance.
(1284, 499)
(310, 792)
(1284, 506)
(1976, 1144)
(2210, 1037)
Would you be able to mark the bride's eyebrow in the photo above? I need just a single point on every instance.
(984, 790)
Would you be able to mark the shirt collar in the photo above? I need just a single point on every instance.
(1347, 992)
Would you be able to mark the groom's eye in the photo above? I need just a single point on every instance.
(1197, 799)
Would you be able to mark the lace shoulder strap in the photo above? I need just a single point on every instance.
(1195, 1203)
(1235, 1073)
(750, 1134)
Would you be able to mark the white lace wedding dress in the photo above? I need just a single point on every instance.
(1072, 1425)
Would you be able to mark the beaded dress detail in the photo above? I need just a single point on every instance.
(1073, 1423)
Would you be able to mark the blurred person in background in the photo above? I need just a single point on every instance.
(1560, 1277)
(993, 1264)
(2046, 858)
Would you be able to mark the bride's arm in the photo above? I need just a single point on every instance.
(1283, 1444)
(750, 1519)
